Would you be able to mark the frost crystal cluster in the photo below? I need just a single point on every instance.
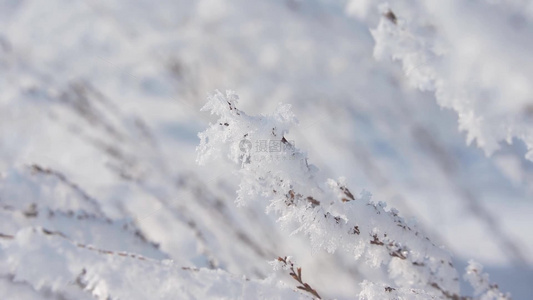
(473, 56)
(326, 210)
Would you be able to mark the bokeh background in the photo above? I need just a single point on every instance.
(108, 93)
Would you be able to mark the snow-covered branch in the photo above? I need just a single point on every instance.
(285, 263)
(473, 56)
(325, 210)
(52, 266)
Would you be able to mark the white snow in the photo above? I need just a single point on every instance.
(99, 120)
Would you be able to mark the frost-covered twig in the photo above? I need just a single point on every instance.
(61, 235)
(45, 261)
(450, 48)
(35, 168)
(483, 288)
(325, 210)
(297, 275)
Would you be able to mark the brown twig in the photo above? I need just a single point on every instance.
(297, 275)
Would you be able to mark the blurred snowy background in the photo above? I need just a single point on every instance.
(429, 106)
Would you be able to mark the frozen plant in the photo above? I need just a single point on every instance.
(480, 282)
(449, 48)
(286, 263)
(325, 209)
